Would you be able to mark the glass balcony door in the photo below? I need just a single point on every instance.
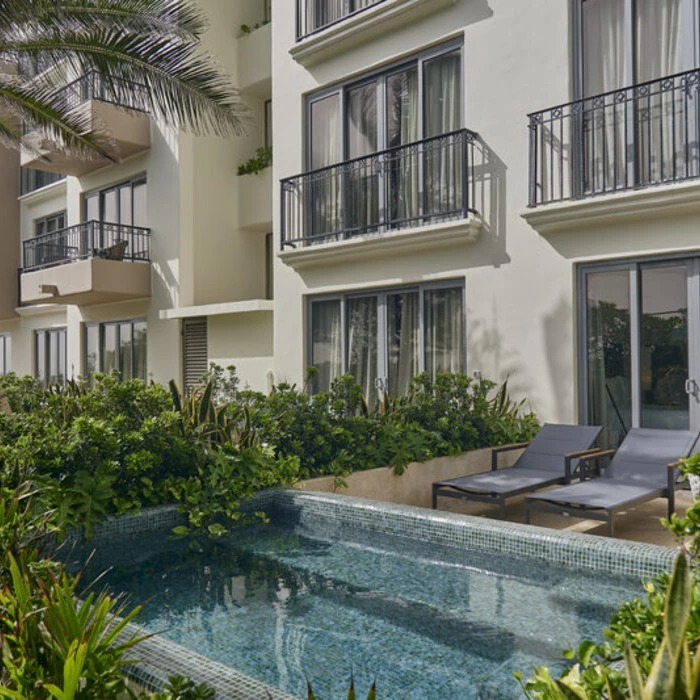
(641, 348)
(645, 135)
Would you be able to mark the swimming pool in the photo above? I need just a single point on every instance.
(335, 586)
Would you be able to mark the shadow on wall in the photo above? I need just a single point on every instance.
(487, 196)
(404, 40)
(488, 351)
(558, 337)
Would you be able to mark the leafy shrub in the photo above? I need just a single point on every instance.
(255, 165)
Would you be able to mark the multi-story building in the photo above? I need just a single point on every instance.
(493, 186)
(151, 266)
(487, 186)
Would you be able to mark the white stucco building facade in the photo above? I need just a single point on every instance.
(420, 219)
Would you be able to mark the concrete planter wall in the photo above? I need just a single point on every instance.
(412, 488)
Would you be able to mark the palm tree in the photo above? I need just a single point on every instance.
(146, 51)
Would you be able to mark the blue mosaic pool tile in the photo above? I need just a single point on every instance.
(316, 511)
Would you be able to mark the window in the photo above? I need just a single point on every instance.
(5, 349)
(124, 203)
(50, 363)
(415, 178)
(34, 179)
(268, 123)
(269, 267)
(313, 15)
(639, 360)
(385, 338)
(50, 224)
(417, 99)
(117, 345)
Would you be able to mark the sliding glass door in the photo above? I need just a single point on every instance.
(640, 353)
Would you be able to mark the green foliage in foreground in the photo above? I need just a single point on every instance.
(336, 432)
(638, 642)
(669, 668)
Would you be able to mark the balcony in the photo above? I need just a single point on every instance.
(643, 136)
(329, 27)
(255, 62)
(421, 193)
(118, 108)
(91, 263)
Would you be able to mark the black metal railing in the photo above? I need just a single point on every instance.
(92, 86)
(315, 15)
(92, 239)
(420, 183)
(639, 136)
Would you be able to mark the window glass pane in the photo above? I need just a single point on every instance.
(403, 340)
(125, 205)
(92, 208)
(442, 94)
(608, 347)
(92, 349)
(325, 132)
(362, 182)
(361, 335)
(4, 354)
(140, 205)
(40, 357)
(606, 54)
(664, 347)
(140, 349)
(326, 342)
(57, 356)
(444, 331)
(110, 207)
(402, 127)
(125, 349)
(109, 348)
(660, 40)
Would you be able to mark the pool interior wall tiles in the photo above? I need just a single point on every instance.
(323, 512)
(331, 514)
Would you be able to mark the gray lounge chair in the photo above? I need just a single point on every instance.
(643, 468)
(551, 458)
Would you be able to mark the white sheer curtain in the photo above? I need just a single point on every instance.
(319, 13)
(322, 195)
(402, 128)
(326, 342)
(444, 331)
(361, 189)
(362, 344)
(442, 106)
(403, 321)
(606, 67)
(667, 129)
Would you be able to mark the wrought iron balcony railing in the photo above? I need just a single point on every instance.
(644, 135)
(92, 239)
(91, 86)
(316, 15)
(420, 183)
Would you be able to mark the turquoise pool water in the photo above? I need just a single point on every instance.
(425, 621)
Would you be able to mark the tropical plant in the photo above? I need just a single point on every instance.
(261, 160)
(371, 695)
(148, 50)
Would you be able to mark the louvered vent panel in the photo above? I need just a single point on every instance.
(194, 331)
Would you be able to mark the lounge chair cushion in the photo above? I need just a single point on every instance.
(505, 481)
(601, 493)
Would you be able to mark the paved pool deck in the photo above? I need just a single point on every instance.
(639, 524)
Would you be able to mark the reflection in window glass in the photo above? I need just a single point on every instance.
(5, 350)
(326, 339)
(609, 354)
(50, 365)
(119, 346)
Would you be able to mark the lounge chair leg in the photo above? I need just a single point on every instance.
(527, 514)
(611, 526)
(502, 509)
(434, 498)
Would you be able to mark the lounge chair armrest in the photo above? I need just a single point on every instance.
(673, 465)
(592, 453)
(504, 448)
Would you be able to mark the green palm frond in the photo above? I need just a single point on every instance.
(151, 45)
